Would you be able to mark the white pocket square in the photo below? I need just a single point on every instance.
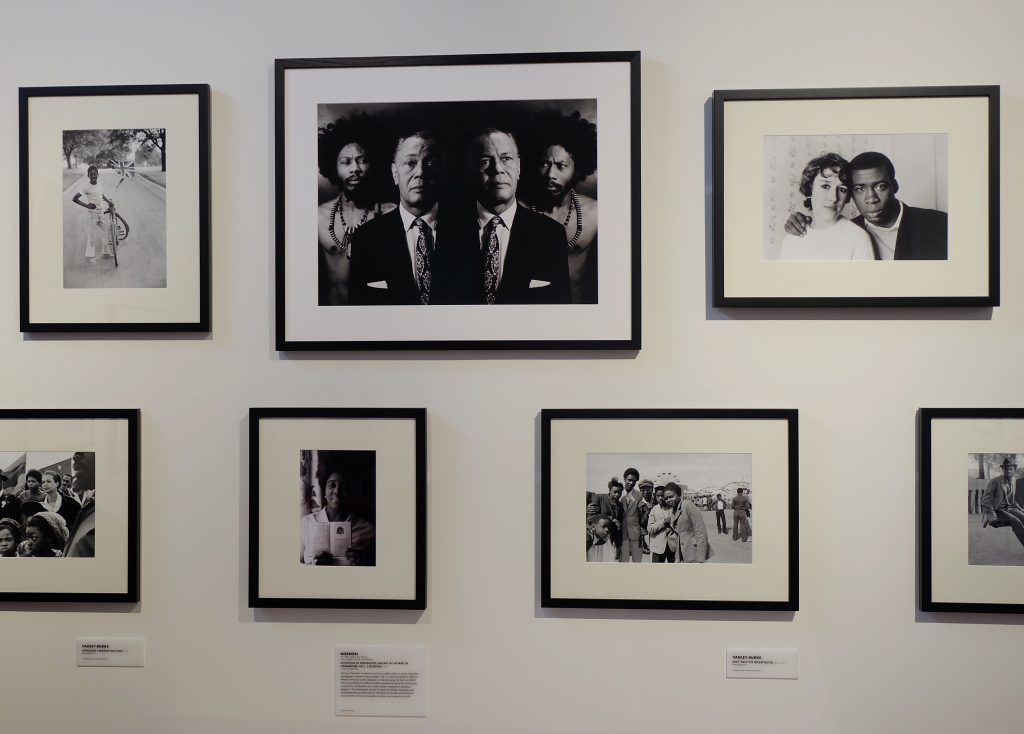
(539, 283)
(378, 284)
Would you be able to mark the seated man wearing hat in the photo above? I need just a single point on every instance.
(999, 504)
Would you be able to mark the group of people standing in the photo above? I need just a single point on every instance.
(636, 517)
(505, 225)
(50, 515)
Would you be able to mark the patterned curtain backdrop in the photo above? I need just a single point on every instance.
(921, 162)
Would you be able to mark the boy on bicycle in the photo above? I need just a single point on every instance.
(97, 228)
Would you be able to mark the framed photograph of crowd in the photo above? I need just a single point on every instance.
(451, 202)
(972, 553)
(669, 509)
(69, 505)
(115, 215)
(358, 538)
(856, 197)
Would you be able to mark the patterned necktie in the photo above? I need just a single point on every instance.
(424, 248)
(492, 259)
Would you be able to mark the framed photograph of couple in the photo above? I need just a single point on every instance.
(358, 477)
(115, 213)
(856, 197)
(451, 202)
(657, 508)
(972, 554)
(69, 505)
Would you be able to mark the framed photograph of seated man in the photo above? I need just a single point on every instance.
(69, 505)
(669, 509)
(115, 215)
(451, 202)
(972, 554)
(856, 197)
(337, 508)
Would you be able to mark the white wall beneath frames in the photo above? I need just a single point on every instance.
(500, 664)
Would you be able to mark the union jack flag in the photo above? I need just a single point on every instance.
(125, 168)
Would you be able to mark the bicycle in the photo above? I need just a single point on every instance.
(118, 229)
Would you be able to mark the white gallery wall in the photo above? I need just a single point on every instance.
(498, 662)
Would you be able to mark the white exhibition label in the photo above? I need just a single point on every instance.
(111, 652)
(742, 663)
(380, 680)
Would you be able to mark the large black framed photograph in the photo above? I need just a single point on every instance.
(115, 215)
(451, 202)
(655, 509)
(69, 505)
(856, 197)
(337, 508)
(972, 552)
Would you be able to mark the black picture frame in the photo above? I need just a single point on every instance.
(193, 314)
(415, 596)
(741, 280)
(554, 517)
(127, 474)
(618, 313)
(945, 586)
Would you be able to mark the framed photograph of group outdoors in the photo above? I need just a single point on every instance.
(115, 214)
(669, 509)
(972, 553)
(451, 202)
(358, 477)
(69, 505)
(856, 197)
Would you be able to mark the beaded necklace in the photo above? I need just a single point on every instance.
(574, 203)
(344, 244)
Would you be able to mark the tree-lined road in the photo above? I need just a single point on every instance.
(142, 258)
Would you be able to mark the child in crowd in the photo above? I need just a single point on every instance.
(10, 536)
(46, 533)
(601, 548)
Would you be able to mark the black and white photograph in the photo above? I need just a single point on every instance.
(995, 509)
(362, 477)
(441, 203)
(809, 184)
(47, 504)
(115, 209)
(338, 509)
(99, 167)
(69, 491)
(433, 188)
(661, 508)
(624, 492)
(973, 560)
(856, 197)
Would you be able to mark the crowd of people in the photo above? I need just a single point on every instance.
(477, 209)
(637, 518)
(44, 514)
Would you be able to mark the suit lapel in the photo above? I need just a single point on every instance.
(400, 278)
(514, 271)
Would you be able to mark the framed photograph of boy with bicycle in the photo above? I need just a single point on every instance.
(114, 208)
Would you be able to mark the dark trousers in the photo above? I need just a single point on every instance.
(668, 556)
(720, 521)
(1014, 518)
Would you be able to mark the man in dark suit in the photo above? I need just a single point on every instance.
(522, 254)
(999, 504)
(399, 258)
(898, 231)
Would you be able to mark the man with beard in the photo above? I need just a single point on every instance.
(521, 254)
(565, 155)
(898, 231)
(401, 258)
(348, 159)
